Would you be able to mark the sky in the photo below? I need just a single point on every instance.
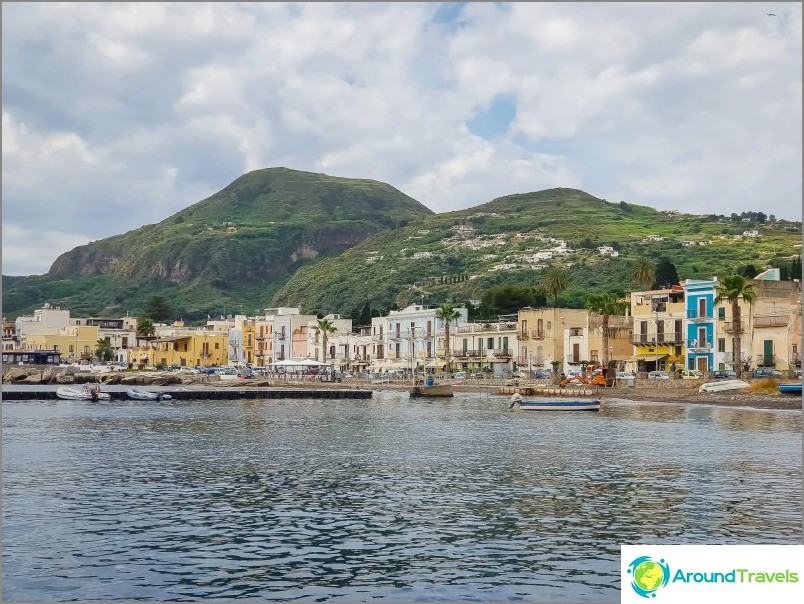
(118, 115)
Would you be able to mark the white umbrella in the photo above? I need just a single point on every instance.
(310, 363)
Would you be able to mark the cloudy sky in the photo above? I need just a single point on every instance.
(118, 115)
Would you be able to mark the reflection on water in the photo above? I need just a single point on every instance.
(388, 498)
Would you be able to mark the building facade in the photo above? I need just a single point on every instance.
(658, 330)
(700, 324)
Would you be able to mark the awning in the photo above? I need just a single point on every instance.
(437, 364)
(648, 358)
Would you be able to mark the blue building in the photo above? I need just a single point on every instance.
(700, 323)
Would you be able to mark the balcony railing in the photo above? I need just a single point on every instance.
(538, 334)
(771, 321)
(502, 352)
(728, 357)
(795, 359)
(573, 359)
(694, 314)
(696, 345)
(733, 326)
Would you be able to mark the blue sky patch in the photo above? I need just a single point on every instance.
(495, 120)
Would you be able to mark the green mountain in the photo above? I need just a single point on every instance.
(282, 237)
(231, 250)
(460, 255)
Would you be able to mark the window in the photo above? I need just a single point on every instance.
(721, 313)
(721, 344)
(218, 346)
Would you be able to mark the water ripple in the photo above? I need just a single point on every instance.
(389, 499)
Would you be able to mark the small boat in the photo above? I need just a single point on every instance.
(432, 390)
(723, 385)
(85, 394)
(146, 395)
(790, 388)
(559, 405)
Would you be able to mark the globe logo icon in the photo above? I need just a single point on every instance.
(648, 575)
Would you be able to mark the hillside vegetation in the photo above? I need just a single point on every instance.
(326, 244)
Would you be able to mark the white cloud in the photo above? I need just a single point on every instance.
(31, 251)
(116, 114)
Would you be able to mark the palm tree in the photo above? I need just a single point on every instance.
(104, 350)
(645, 273)
(553, 283)
(447, 313)
(731, 289)
(325, 327)
(605, 304)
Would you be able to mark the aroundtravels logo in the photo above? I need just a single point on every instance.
(648, 575)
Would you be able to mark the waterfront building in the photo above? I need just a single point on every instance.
(119, 333)
(264, 345)
(74, 342)
(770, 328)
(184, 347)
(10, 340)
(337, 341)
(288, 339)
(47, 319)
(658, 329)
(31, 357)
(489, 347)
(541, 338)
(584, 342)
(700, 323)
(412, 337)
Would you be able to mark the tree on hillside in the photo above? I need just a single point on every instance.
(644, 273)
(507, 300)
(158, 309)
(749, 271)
(447, 313)
(666, 273)
(145, 327)
(553, 283)
(324, 327)
(104, 350)
(731, 289)
(605, 304)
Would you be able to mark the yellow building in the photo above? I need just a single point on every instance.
(185, 349)
(658, 329)
(541, 335)
(73, 342)
(249, 341)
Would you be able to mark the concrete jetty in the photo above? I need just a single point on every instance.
(29, 394)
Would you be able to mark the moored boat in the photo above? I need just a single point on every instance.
(794, 388)
(85, 394)
(146, 395)
(723, 385)
(559, 405)
(432, 390)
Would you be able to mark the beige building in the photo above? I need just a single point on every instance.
(541, 336)
(771, 327)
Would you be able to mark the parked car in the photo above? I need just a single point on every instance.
(658, 375)
(724, 374)
(478, 376)
(459, 375)
(691, 374)
(766, 372)
(626, 375)
(542, 374)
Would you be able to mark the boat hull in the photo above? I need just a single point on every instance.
(439, 390)
(723, 386)
(559, 405)
(71, 394)
(790, 388)
(146, 395)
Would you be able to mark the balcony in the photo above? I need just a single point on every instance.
(280, 336)
(537, 334)
(524, 335)
(728, 357)
(795, 359)
(502, 353)
(734, 327)
(771, 321)
(696, 346)
(694, 315)
(573, 360)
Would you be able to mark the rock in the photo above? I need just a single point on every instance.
(64, 379)
(112, 379)
(132, 380)
(17, 373)
(32, 378)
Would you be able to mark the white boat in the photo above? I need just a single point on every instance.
(85, 394)
(146, 395)
(559, 405)
(723, 385)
